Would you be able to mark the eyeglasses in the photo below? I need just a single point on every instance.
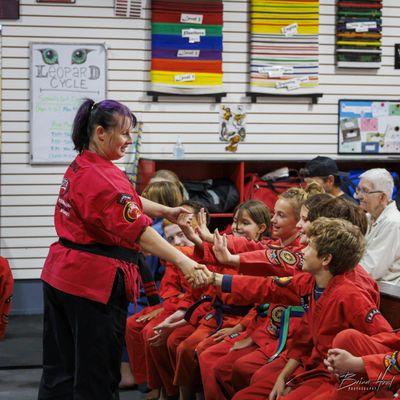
(366, 192)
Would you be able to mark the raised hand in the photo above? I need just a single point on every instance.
(202, 229)
(220, 248)
(185, 223)
(172, 213)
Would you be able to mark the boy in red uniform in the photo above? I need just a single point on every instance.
(331, 301)
(368, 366)
(6, 291)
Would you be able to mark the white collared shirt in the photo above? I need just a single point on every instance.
(382, 254)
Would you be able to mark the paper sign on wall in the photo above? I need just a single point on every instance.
(62, 75)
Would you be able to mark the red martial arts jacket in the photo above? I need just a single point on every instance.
(267, 257)
(96, 204)
(342, 305)
(174, 286)
(385, 366)
(6, 292)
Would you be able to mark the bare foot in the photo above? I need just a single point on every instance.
(127, 380)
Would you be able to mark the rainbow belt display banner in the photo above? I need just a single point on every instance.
(359, 33)
(284, 46)
(186, 46)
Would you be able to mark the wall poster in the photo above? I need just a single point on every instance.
(62, 75)
(369, 127)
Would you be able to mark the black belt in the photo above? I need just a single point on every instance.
(123, 254)
(119, 253)
(220, 309)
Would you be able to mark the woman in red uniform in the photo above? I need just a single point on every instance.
(92, 270)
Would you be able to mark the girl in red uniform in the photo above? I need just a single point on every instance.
(92, 270)
(251, 221)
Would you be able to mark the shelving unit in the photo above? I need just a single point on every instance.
(236, 170)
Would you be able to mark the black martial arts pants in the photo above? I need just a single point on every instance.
(82, 345)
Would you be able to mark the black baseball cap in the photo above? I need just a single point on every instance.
(322, 166)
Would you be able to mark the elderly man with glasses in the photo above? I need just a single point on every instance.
(382, 255)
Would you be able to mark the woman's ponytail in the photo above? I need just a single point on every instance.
(81, 126)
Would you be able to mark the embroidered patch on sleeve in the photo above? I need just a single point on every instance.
(286, 257)
(371, 314)
(272, 256)
(131, 212)
(392, 363)
(283, 281)
(123, 198)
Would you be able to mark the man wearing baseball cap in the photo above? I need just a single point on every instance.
(324, 171)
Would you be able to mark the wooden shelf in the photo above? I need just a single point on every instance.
(216, 96)
(313, 96)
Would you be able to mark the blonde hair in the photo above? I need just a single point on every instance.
(297, 196)
(165, 193)
(166, 175)
(338, 238)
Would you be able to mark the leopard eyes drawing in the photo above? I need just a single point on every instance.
(78, 56)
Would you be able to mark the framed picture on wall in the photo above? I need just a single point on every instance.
(369, 127)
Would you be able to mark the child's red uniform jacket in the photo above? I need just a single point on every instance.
(173, 284)
(6, 291)
(385, 366)
(267, 257)
(342, 305)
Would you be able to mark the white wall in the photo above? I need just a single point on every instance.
(276, 128)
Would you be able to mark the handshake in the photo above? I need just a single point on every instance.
(200, 276)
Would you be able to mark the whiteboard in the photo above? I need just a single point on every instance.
(61, 76)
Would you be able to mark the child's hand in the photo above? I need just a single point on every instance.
(185, 223)
(279, 389)
(340, 361)
(220, 248)
(160, 331)
(202, 229)
(150, 315)
(203, 278)
(242, 344)
(223, 333)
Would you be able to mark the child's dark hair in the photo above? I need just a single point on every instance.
(316, 199)
(338, 207)
(257, 211)
(197, 206)
(91, 114)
